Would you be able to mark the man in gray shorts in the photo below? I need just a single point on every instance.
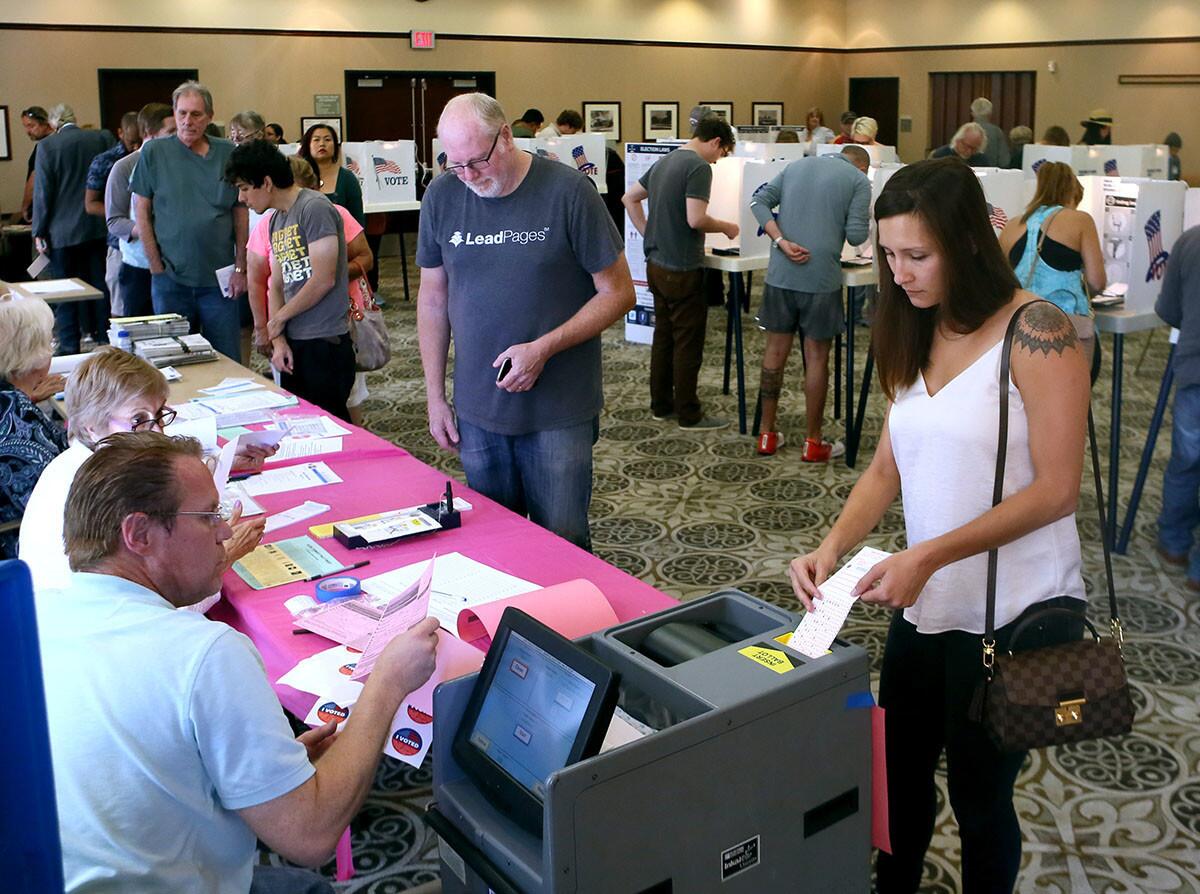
(823, 201)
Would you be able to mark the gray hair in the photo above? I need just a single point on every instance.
(485, 109)
(193, 87)
(1020, 134)
(26, 328)
(61, 114)
(981, 107)
(971, 128)
(248, 120)
(856, 154)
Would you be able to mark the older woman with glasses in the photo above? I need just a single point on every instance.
(29, 440)
(111, 391)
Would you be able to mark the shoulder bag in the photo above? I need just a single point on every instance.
(1055, 694)
(372, 347)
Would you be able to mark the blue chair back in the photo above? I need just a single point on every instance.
(30, 853)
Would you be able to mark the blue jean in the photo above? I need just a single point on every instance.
(546, 475)
(210, 313)
(73, 319)
(1181, 484)
(288, 880)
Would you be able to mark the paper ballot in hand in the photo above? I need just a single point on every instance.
(406, 609)
(818, 628)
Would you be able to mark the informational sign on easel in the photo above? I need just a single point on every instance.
(386, 171)
(639, 322)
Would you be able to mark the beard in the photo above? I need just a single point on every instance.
(485, 188)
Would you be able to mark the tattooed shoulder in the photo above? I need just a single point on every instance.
(1045, 328)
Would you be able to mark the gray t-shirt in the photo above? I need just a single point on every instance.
(518, 267)
(312, 217)
(670, 242)
(193, 207)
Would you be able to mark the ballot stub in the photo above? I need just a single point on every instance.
(817, 628)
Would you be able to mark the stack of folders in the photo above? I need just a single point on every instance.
(176, 350)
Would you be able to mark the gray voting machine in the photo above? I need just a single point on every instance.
(753, 772)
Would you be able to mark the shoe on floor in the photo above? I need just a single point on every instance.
(1173, 558)
(707, 423)
(769, 442)
(1193, 585)
(821, 451)
(662, 417)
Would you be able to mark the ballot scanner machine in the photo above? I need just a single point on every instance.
(753, 772)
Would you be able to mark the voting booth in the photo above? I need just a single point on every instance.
(1138, 221)
(387, 173)
(1004, 191)
(880, 154)
(735, 180)
(583, 152)
(749, 769)
(1101, 161)
(763, 151)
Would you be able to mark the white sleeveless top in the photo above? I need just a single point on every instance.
(945, 449)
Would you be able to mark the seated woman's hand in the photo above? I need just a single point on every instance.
(809, 571)
(47, 388)
(251, 457)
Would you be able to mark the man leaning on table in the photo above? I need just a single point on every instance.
(522, 264)
(170, 751)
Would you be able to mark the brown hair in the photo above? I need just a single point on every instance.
(1056, 185)
(946, 196)
(151, 118)
(104, 381)
(304, 172)
(129, 472)
(815, 110)
(1056, 136)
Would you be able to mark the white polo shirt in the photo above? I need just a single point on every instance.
(162, 724)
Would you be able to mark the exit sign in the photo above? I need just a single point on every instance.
(422, 40)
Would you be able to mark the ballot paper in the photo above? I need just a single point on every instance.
(232, 385)
(259, 399)
(203, 430)
(224, 465)
(313, 427)
(51, 287)
(403, 611)
(284, 562)
(274, 481)
(190, 410)
(40, 263)
(225, 280)
(267, 437)
(293, 448)
(250, 506)
(306, 510)
(817, 628)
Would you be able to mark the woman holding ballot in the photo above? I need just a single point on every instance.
(939, 332)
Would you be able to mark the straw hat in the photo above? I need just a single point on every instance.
(1100, 117)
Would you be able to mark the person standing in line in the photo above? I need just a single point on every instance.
(129, 140)
(823, 202)
(323, 147)
(36, 122)
(946, 299)
(678, 188)
(190, 222)
(846, 127)
(995, 152)
(64, 231)
(274, 133)
(523, 267)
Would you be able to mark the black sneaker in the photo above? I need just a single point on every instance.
(707, 423)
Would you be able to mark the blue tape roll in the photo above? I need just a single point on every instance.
(338, 588)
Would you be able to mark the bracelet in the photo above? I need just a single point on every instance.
(776, 241)
(239, 269)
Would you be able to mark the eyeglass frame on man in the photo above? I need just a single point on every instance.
(476, 164)
(223, 513)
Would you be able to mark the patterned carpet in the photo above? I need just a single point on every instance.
(691, 512)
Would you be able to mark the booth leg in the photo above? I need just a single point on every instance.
(1114, 440)
(1160, 408)
(736, 293)
(837, 375)
(403, 265)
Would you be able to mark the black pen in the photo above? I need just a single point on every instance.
(338, 570)
(241, 476)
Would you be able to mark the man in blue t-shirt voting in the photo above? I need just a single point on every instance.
(521, 264)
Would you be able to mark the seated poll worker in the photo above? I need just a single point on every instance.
(309, 294)
(111, 391)
(942, 316)
(170, 751)
(522, 264)
(29, 440)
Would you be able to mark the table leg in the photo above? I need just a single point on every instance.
(849, 372)
(1160, 408)
(731, 310)
(736, 291)
(837, 374)
(854, 435)
(403, 265)
(1114, 440)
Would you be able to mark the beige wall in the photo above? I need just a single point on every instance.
(279, 75)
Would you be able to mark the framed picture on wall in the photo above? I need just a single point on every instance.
(603, 118)
(723, 110)
(767, 114)
(335, 123)
(660, 120)
(5, 142)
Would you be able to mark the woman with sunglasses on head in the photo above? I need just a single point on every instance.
(111, 391)
(322, 147)
(940, 327)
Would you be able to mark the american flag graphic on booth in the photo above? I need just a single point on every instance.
(581, 161)
(1110, 168)
(997, 217)
(1038, 164)
(386, 166)
(1158, 257)
(352, 167)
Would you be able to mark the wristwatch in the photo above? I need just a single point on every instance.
(776, 241)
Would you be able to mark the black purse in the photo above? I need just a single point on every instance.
(1055, 694)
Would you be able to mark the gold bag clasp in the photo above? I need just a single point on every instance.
(1069, 713)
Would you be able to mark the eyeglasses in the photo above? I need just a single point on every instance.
(161, 419)
(223, 513)
(478, 163)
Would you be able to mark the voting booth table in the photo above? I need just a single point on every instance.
(1100, 161)
(718, 793)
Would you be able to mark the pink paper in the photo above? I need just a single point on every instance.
(405, 610)
(881, 835)
(345, 857)
(573, 609)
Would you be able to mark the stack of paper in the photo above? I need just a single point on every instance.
(154, 326)
(175, 350)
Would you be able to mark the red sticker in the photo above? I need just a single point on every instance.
(347, 669)
(419, 716)
(407, 741)
(332, 711)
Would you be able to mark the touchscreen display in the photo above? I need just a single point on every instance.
(530, 716)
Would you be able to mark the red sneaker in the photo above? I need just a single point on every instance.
(816, 451)
(769, 442)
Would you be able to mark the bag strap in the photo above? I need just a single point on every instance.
(1037, 252)
(989, 636)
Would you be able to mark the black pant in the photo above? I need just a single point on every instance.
(86, 261)
(323, 372)
(680, 314)
(926, 685)
(135, 290)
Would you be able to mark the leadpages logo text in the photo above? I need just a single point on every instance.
(500, 237)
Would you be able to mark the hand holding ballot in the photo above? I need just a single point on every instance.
(408, 659)
(896, 581)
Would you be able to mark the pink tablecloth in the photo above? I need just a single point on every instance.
(379, 476)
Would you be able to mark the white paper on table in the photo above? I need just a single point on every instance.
(318, 673)
(307, 509)
(65, 364)
(232, 385)
(250, 506)
(203, 430)
(51, 287)
(224, 276)
(458, 582)
(404, 610)
(267, 437)
(260, 399)
(224, 464)
(291, 448)
(40, 263)
(171, 374)
(189, 410)
(241, 418)
(275, 481)
(313, 427)
(819, 627)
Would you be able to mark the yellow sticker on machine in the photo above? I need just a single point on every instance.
(772, 659)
